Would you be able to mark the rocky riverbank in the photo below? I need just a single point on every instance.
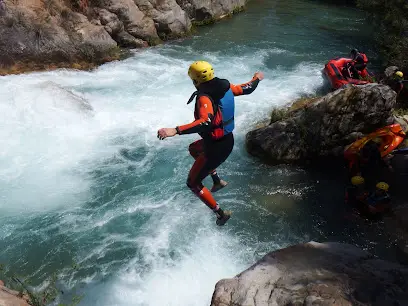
(46, 34)
(316, 274)
(323, 127)
(11, 298)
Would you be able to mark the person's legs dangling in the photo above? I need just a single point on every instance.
(197, 148)
(202, 167)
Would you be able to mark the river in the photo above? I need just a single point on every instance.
(94, 196)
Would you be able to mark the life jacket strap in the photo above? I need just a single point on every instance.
(228, 121)
(192, 97)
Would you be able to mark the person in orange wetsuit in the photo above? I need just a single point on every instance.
(214, 122)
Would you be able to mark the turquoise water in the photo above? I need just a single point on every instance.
(97, 190)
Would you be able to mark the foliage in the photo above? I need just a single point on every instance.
(400, 111)
(278, 114)
(391, 21)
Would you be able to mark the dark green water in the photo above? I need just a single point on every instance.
(100, 192)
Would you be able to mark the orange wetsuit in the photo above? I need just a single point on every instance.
(214, 121)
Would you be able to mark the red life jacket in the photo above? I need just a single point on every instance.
(223, 103)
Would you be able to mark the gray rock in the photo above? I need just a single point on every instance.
(2, 8)
(126, 40)
(167, 14)
(26, 36)
(202, 9)
(91, 34)
(134, 20)
(23, 37)
(326, 126)
(110, 21)
(316, 274)
(58, 34)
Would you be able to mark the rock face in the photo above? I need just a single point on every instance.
(316, 274)
(32, 32)
(169, 18)
(134, 20)
(71, 30)
(204, 9)
(10, 297)
(323, 128)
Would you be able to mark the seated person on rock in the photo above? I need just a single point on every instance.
(370, 164)
(356, 194)
(379, 201)
(397, 82)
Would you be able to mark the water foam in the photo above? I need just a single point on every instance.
(57, 154)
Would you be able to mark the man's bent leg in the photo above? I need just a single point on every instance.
(198, 172)
(196, 149)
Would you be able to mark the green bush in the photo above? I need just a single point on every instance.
(390, 18)
(278, 114)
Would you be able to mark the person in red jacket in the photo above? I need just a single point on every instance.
(214, 122)
(358, 66)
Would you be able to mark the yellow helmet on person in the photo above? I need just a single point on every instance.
(201, 72)
(399, 74)
(377, 140)
(383, 186)
(357, 180)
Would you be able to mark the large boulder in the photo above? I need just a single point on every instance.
(90, 34)
(134, 20)
(29, 34)
(169, 18)
(110, 21)
(129, 41)
(324, 127)
(23, 36)
(316, 274)
(205, 9)
(58, 32)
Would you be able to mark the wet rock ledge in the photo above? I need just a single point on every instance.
(316, 274)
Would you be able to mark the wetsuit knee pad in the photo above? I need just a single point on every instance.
(194, 187)
(189, 185)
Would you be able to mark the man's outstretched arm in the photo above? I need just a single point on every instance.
(247, 88)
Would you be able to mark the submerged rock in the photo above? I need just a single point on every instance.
(316, 274)
(325, 126)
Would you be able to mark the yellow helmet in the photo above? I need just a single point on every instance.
(399, 74)
(201, 72)
(357, 180)
(382, 186)
(377, 140)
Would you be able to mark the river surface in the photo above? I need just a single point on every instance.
(94, 196)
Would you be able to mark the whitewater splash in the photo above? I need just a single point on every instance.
(81, 166)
